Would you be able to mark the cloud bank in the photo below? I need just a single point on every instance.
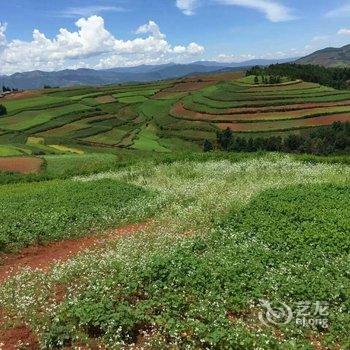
(91, 45)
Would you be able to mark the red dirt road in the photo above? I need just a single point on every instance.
(42, 257)
(23, 165)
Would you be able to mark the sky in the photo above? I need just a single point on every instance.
(100, 34)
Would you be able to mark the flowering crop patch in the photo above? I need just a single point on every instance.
(204, 293)
(225, 236)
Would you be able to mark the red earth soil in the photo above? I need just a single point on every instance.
(21, 94)
(180, 109)
(288, 124)
(42, 257)
(23, 165)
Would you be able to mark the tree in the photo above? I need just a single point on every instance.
(292, 143)
(207, 146)
(256, 80)
(3, 110)
(225, 139)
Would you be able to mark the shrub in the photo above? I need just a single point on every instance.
(3, 110)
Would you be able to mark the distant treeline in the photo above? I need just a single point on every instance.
(322, 141)
(338, 78)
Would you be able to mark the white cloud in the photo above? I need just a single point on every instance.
(2, 36)
(343, 31)
(238, 58)
(342, 11)
(92, 45)
(152, 28)
(224, 58)
(187, 6)
(273, 11)
(195, 49)
(89, 11)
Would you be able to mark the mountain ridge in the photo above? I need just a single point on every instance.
(143, 73)
(328, 57)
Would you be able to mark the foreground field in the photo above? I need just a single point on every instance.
(223, 232)
(165, 116)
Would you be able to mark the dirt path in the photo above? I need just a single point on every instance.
(42, 257)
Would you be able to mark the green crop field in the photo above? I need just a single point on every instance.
(118, 232)
(118, 116)
(225, 234)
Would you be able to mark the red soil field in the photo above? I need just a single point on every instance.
(286, 108)
(180, 111)
(23, 165)
(105, 99)
(189, 86)
(288, 124)
(20, 95)
(42, 257)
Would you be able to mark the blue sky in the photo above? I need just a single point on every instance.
(51, 35)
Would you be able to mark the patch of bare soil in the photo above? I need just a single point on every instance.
(23, 165)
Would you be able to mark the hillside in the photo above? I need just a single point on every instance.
(329, 57)
(165, 116)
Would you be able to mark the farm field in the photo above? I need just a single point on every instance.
(165, 116)
(200, 230)
(118, 232)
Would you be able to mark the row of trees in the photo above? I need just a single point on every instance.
(266, 80)
(337, 78)
(8, 89)
(325, 140)
(3, 110)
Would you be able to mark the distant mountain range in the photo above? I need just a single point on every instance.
(144, 73)
(329, 57)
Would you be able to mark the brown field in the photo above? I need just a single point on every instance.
(23, 165)
(287, 124)
(105, 99)
(221, 76)
(294, 107)
(20, 95)
(189, 86)
(75, 126)
(201, 81)
(180, 112)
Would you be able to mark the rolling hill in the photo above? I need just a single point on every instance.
(329, 57)
(165, 116)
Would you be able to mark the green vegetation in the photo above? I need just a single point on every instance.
(227, 230)
(332, 139)
(334, 77)
(62, 209)
(3, 110)
(6, 151)
(170, 116)
(28, 119)
(22, 104)
(148, 141)
(218, 231)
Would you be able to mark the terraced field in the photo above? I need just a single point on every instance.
(245, 107)
(164, 116)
